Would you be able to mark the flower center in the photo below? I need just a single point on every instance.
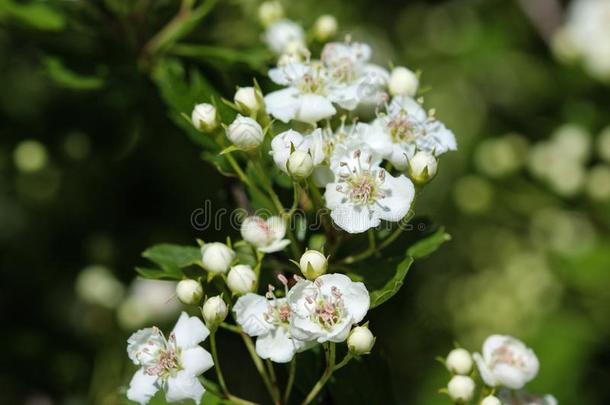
(361, 185)
(402, 129)
(278, 314)
(505, 355)
(167, 362)
(328, 311)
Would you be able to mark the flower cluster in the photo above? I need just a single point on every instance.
(505, 366)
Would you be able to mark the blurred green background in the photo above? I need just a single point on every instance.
(94, 169)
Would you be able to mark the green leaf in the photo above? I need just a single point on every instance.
(429, 244)
(65, 77)
(167, 254)
(168, 273)
(380, 296)
(37, 15)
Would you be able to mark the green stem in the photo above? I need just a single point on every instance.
(260, 367)
(231, 328)
(343, 362)
(221, 379)
(330, 366)
(214, 389)
(273, 379)
(240, 173)
(292, 368)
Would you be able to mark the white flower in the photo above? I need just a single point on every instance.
(267, 236)
(403, 82)
(507, 362)
(313, 264)
(241, 279)
(407, 128)
(306, 97)
(270, 12)
(459, 361)
(325, 27)
(283, 34)
(422, 167)
(363, 193)
(325, 309)
(300, 164)
(461, 388)
(171, 364)
(214, 311)
(248, 99)
(189, 291)
(270, 321)
(491, 400)
(283, 144)
(216, 257)
(205, 117)
(245, 133)
(360, 340)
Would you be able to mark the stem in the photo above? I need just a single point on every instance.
(344, 362)
(221, 379)
(325, 377)
(292, 367)
(260, 367)
(240, 173)
(231, 328)
(274, 384)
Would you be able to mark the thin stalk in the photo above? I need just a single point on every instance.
(260, 367)
(343, 362)
(292, 368)
(221, 379)
(273, 378)
(330, 366)
(230, 328)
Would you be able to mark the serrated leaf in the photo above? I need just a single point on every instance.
(429, 244)
(383, 294)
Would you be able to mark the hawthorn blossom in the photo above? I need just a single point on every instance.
(363, 193)
(266, 235)
(284, 34)
(506, 362)
(407, 128)
(171, 364)
(269, 321)
(325, 309)
(284, 143)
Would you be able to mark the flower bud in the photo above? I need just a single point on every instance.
(360, 340)
(422, 167)
(245, 133)
(216, 257)
(214, 311)
(491, 400)
(189, 291)
(459, 361)
(249, 100)
(241, 279)
(461, 389)
(300, 164)
(205, 117)
(270, 12)
(313, 264)
(403, 82)
(325, 27)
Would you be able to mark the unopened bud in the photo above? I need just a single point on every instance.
(360, 340)
(325, 27)
(241, 279)
(403, 82)
(249, 100)
(189, 291)
(214, 311)
(205, 117)
(422, 167)
(300, 164)
(459, 361)
(216, 257)
(491, 400)
(461, 389)
(270, 12)
(245, 133)
(313, 264)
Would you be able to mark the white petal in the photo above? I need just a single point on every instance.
(143, 345)
(316, 146)
(142, 387)
(354, 218)
(275, 246)
(399, 196)
(277, 226)
(377, 137)
(285, 75)
(486, 374)
(509, 376)
(334, 198)
(196, 360)
(184, 386)
(297, 295)
(357, 301)
(492, 343)
(283, 104)
(313, 108)
(339, 333)
(401, 154)
(189, 331)
(282, 144)
(276, 346)
(249, 314)
(436, 139)
(345, 96)
(304, 329)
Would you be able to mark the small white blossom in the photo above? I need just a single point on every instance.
(422, 167)
(506, 362)
(241, 279)
(248, 99)
(189, 291)
(284, 143)
(270, 12)
(325, 27)
(266, 235)
(300, 164)
(269, 320)
(461, 388)
(403, 82)
(245, 133)
(205, 117)
(363, 193)
(214, 311)
(283, 34)
(313, 264)
(459, 361)
(325, 309)
(360, 340)
(216, 257)
(171, 364)
(491, 400)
